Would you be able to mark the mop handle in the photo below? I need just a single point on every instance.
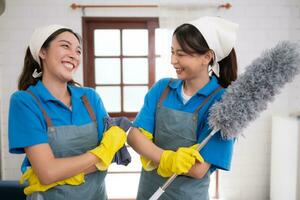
(162, 189)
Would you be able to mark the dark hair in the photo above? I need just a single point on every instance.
(26, 79)
(192, 41)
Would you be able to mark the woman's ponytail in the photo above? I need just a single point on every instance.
(228, 69)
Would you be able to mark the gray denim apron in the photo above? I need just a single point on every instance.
(68, 141)
(174, 129)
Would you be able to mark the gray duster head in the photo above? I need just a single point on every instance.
(246, 97)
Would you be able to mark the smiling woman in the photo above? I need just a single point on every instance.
(59, 125)
(60, 59)
(174, 115)
(63, 38)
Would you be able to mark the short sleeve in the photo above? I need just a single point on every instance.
(26, 124)
(218, 152)
(146, 117)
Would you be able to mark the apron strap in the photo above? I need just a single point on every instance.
(48, 120)
(165, 92)
(205, 101)
(89, 107)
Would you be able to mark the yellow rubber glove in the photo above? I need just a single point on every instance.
(113, 139)
(179, 162)
(147, 164)
(34, 185)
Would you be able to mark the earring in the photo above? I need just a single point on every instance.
(36, 74)
(210, 70)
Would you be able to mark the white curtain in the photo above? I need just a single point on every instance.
(173, 14)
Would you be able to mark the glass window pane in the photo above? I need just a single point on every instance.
(164, 68)
(107, 71)
(135, 164)
(107, 42)
(122, 186)
(135, 70)
(163, 41)
(134, 98)
(111, 97)
(135, 42)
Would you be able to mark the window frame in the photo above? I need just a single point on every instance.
(89, 24)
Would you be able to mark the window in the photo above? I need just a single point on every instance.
(119, 61)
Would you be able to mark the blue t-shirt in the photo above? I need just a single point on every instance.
(27, 125)
(217, 152)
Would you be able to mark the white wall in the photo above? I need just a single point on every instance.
(262, 24)
(284, 152)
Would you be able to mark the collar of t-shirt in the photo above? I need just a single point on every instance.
(205, 91)
(185, 97)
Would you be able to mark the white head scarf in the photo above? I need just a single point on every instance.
(39, 36)
(220, 35)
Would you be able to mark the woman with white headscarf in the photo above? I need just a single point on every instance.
(174, 115)
(58, 124)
